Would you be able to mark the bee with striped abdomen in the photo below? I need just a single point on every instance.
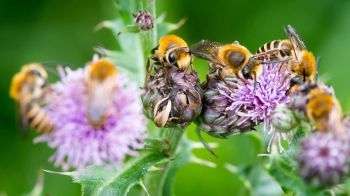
(171, 51)
(101, 78)
(28, 89)
(300, 62)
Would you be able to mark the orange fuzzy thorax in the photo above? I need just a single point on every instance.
(323, 109)
(226, 50)
(101, 70)
(170, 40)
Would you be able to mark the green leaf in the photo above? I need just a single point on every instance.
(263, 184)
(107, 180)
(161, 182)
(165, 27)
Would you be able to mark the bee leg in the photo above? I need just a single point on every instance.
(297, 80)
(148, 67)
(254, 78)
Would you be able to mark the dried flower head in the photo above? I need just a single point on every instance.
(172, 97)
(79, 143)
(323, 159)
(144, 20)
(234, 105)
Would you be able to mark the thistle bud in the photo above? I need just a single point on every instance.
(283, 118)
(144, 20)
(172, 97)
(323, 159)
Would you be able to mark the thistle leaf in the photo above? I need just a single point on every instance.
(107, 180)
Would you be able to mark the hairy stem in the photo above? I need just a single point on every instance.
(149, 37)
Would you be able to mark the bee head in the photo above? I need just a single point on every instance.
(174, 51)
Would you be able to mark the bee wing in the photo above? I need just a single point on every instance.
(272, 55)
(55, 69)
(296, 41)
(23, 108)
(207, 50)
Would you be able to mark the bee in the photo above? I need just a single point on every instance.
(101, 80)
(322, 107)
(171, 51)
(28, 89)
(228, 59)
(300, 62)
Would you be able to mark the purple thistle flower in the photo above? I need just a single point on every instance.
(234, 106)
(77, 143)
(323, 159)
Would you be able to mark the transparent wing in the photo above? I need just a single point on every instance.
(23, 108)
(271, 56)
(296, 41)
(207, 50)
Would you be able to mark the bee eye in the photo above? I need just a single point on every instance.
(171, 58)
(236, 59)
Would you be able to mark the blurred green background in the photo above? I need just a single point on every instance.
(63, 31)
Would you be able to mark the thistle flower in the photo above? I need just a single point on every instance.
(323, 159)
(76, 141)
(144, 20)
(234, 105)
(172, 97)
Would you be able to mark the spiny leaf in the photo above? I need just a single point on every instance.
(107, 180)
(165, 27)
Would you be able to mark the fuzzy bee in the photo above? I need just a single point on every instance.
(28, 89)
(101, 80)
(300, 62)
(321, 107)
(172, 93)
(171, 51)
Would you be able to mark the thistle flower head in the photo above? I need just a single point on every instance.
(77, 142)
(144, 20)
(323, 159)
(233, 105)
(172, 97)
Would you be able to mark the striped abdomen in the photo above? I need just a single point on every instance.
(276, 50)
(38, 119)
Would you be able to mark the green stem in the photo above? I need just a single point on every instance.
(150, 37)
(157, 183)
(172, 137)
